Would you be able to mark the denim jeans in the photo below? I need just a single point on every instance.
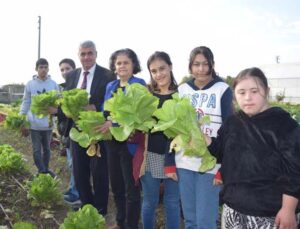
(41, 148)
(72, 188)
(199, 198)
(151, 187)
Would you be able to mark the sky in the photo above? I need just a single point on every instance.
(240, 33)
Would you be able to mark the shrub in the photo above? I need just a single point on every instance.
(44, 191)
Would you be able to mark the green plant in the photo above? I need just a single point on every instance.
(293, 109)
(15, 121)
(44, 191)
(131, 110)
(41, 102)
(229, 80)
(24, 225)
(177, 118)
(73, 101)
(185, 79)
(280, 96)
(86, 217)
(86, 123)
(11, 162)
(17, 103)
(6, 148)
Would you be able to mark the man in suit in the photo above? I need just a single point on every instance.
(93, 78)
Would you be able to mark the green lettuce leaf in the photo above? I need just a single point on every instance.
(85, 217)
(131, 110)
(73, 101)
(177, 118)
(41, 102)
(16, 121)
(87, 135)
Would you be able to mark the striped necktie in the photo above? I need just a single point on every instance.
(84, 82)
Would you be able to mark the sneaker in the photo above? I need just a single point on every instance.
(72, 200)
(52, 174)
(67, 193)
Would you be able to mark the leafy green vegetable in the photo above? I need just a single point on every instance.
(24, 225)
(6, 148)
(74, 101)
(15, 121)
(41, 102)
(88, 120)
(178, 120)
(44, 191)
(10, 160)
(131, 110)
(86, 217)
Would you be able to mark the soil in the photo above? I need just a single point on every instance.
(14, 205)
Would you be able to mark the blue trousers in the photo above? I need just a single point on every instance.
(150, 187)
(72, 188)
(41, 149)
(199, 198)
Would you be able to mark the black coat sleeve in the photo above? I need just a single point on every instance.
(217, 145)
(290, 151)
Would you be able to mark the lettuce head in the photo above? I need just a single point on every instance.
(177, 118)
(131, 110)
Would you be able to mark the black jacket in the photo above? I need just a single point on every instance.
(260, 158)
(102, 77)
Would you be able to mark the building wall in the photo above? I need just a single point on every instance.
(290, 87)
(284, 78)
(11, 93)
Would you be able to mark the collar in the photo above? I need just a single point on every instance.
(91, 70)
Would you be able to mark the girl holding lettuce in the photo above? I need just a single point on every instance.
(211, 96)
(124, 63)
(159, 163)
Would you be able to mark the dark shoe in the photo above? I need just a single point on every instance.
(72, 200)
(51, 173)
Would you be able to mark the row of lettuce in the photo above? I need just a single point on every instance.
(44, 191)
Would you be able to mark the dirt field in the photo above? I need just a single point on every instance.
(13, 200)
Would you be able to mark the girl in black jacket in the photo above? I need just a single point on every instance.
(259, 148)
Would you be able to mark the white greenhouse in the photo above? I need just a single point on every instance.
(284, 79)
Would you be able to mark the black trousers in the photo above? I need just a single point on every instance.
(126, 194)
(87, 169)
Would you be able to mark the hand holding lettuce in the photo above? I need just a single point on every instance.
(41, 103)
(73, 102)
(88, 136)
(178, 120)
(131, 110)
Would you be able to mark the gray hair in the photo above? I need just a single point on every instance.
(87, 44)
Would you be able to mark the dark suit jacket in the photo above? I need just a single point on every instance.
(102, 77)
